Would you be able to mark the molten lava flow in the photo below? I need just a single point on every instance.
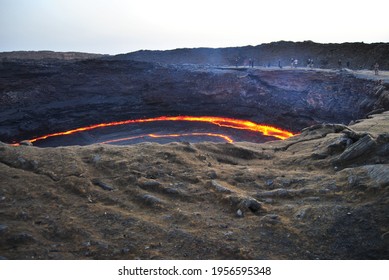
(220, 121)
(225, 137)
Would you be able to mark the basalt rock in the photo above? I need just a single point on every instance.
(379, 173)
(339, 145)
(219, 187)
(102, 185)
(362, 147)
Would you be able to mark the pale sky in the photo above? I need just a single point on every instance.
(120, 26)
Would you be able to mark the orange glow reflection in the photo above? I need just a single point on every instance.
(266, 130)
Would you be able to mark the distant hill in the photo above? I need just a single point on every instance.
(43, 55)
(358, 55)
(351, 55)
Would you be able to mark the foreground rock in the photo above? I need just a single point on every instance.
(281, 202)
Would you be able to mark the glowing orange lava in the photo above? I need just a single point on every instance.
(225, 137)
(220, 121)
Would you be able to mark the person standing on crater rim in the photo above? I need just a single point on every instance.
(310, 63)
(376, 67)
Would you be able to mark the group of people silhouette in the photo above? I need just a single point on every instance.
(294, 62)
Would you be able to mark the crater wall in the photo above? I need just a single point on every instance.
(38, 97)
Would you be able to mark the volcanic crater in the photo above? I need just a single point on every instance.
(321, 193)
(53, 97)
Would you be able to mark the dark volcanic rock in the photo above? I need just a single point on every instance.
(20, 238)
(81, 93)
(219, 188)
(358, 55)
(3, 229)
(102, 185)
(46, 55)
(359, 148)
(151, 200)
(339, 145)
(379, 173)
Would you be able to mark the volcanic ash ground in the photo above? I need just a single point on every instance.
(320, 195)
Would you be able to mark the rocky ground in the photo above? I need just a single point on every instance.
(320, 195)
(354, 56)
(46, 56)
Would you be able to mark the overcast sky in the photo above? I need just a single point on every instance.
(120, 26)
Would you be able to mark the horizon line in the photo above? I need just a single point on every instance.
(183, 48)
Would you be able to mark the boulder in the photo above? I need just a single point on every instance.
(378, 173)
(219, 188)
(363, 146)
